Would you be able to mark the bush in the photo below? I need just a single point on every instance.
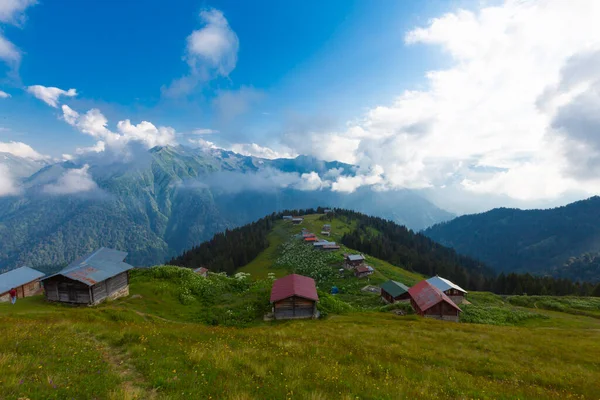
(493, 315)
(329, 304)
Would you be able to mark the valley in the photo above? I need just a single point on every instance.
(179, 335)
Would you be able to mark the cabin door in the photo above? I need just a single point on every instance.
(72, 293)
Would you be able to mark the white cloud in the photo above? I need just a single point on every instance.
(50, 95)
(215, 44)
(9, 52)
(8, 186)
(99, 147)
(210, 51)
(204, 131)
(255, 150)
(21, 149)
(520, 98)
(94, 123)
(4, 95)
(12, 12)
(204, 144)
(71, 182)
(311, 181)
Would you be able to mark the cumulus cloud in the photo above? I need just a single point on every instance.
(12, 12)
(94, 123)
(8, 185)
(4, 95)
(210, 51)
(21, 149)
(520, 99)
(50, 95)
(71, 182)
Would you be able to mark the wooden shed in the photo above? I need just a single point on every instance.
(25, 280)
(353, 260)
(363, 271)
(450, 289)
(90, 279)
(293, 297)
(428, 301)
(201, 271)
(392, 291)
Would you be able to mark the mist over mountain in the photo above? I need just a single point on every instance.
(162, 201)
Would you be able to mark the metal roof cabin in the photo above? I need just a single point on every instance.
(450, 289)
(201, 271)
(353, 260)
(297, 221)
(392, 291)
(294, 297)
(429, 301)
(25, 280)
(90, 279)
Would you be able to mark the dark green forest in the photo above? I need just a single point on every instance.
(543, 242)
(227, 251)
(414, 251)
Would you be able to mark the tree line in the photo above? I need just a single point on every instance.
(400, 246)
(227, 251)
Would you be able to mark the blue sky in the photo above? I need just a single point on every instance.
(322, 61)
(472, 103)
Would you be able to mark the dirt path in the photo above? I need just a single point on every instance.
(133, 385)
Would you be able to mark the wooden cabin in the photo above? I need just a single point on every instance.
(327, 227)
(450, 289)
(353, 260)
(311, 239)
(330, 247)
(297, 221)
(319, 244)
(293, 297)
(325, 233)
(90, 279)
(201, 271)
(25, 280)
(363, 271)
(392, 291)
(428, 301)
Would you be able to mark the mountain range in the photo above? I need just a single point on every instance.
(168, 199)
(563, 242)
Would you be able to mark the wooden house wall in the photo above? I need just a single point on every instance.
(294, 307)
(109, 287)
(63, 289)
(29, 289)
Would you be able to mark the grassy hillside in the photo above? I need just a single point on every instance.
(181, 336)
(160, 344)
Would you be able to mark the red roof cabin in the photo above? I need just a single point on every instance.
(201, 271)
(294, 297)
(428, 301)
(311, 239)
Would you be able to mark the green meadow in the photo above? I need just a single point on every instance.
(181, 336)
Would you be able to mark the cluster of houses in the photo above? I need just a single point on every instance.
(435, 297)
(295, 296)
(90, 279)
(319, 244)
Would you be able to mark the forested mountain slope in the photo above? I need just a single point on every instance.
(169, 199)
(536, 241)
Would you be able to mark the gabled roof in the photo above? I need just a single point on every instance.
(294, 285)
(96, 267)
(394, 288)
(201, 270)
(363, 269)
(356, 257)
(18, 277)
(444, 284)
(323, 243)
(426, 296)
